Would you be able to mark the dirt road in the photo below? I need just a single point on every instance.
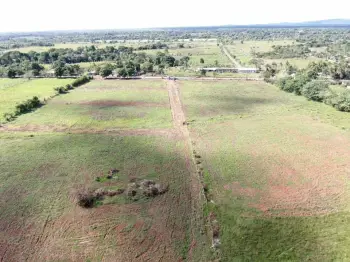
(227, 53)
(197, 194)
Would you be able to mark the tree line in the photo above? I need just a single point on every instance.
(313, 83)
(128, 61)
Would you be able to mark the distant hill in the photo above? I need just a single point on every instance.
(329, 22)
(320, 23)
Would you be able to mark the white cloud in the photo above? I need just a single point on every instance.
(24, 15)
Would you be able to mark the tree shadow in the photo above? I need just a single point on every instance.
(37, 203)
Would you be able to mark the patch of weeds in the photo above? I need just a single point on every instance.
(186, 244)
(98, 203)
(128, 228)
(111, 174)
(209, 208)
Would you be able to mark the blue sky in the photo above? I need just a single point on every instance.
(41, 15)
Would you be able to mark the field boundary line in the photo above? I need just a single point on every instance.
(122, 132)
(198, 198)
(229, 56)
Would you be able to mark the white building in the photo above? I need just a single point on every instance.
(230, 70)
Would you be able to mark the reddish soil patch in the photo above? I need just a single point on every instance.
(295, 171)
(117, 103)
(302, 185)
(237, 189)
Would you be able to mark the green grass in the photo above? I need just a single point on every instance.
(298, 62)
(53, 166)
(209, 51)
(243, 52)
(105, 104)
(267, 151)
(196, 50)
(76, 45)
(6, 82)
(16, 91)
(41, 171)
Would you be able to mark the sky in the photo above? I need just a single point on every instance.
(44, 15)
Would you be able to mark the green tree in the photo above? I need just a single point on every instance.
(122, 72)
(147, 67)
(201, 61)
(11, 73)
(36, 69)
(106, 70)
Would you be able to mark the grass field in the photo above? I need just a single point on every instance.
(243, 52)
(74, 46)
(277, 167)
(209, 51)
(298, 62)
(104, 105)
(121, 230)
(39, 218)
(14, 91)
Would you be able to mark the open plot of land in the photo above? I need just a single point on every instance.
(14, 91)
(209, 51)
(39, 218)
(104, 104)
(74, 46)
(243, 52)
(277, 167)
(298, 62)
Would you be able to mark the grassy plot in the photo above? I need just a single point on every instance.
(209, 51)
(76, 45)
(40, 221)
(105, 104)
(243, 52)
(16, 91)
(277, 167)
(298, 62)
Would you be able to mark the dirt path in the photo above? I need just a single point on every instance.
(166, 132)
(227, 53)
(197, 194)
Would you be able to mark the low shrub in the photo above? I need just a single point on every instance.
(9, 116)
(81, 81)
(60, 90)
(86, 198)
(28, 105)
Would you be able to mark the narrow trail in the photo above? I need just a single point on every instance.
(227, 53)
(197, 194)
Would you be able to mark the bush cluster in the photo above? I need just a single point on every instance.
(28, 105)
(81, 81)
(340, 101)
(77, 82)
(24, 107)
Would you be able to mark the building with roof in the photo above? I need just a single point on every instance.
(230, 70)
